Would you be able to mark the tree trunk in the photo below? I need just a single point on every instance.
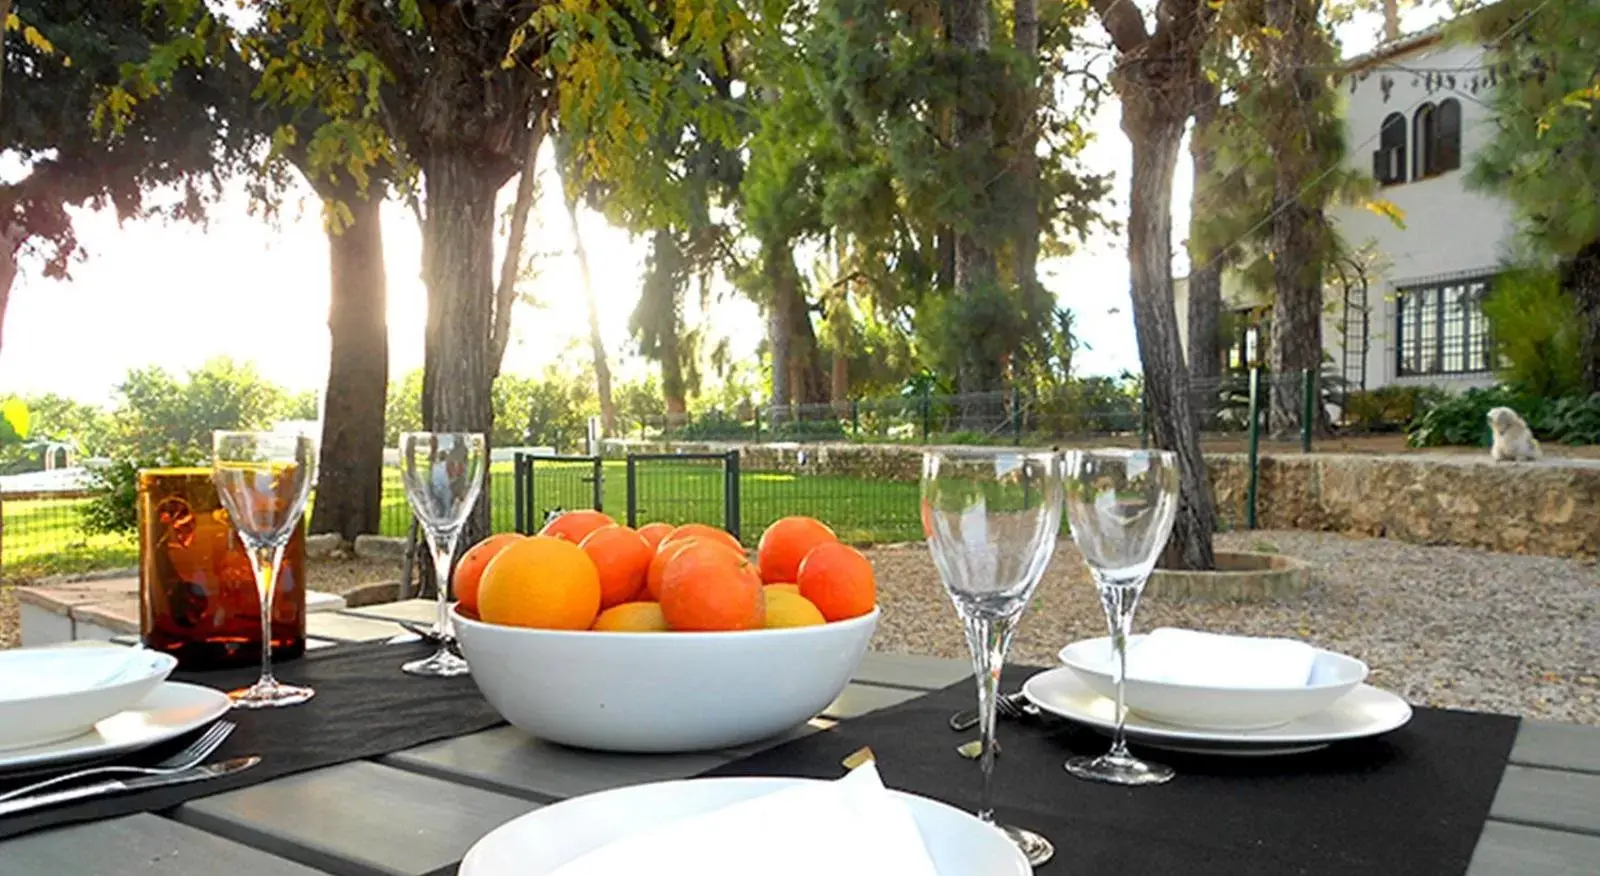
(1025, 38)
(974, 257)
(1155, 135)
(778, 343)
(1297, 228)
(1582, 280)
(458, 242)
(350, 472)
(11, 239)
(794, 342)
(1205, 273)
(602, 370)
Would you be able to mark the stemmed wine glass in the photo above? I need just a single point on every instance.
(443, 474)
(1120, 505)
(262, 479)
(992, 519)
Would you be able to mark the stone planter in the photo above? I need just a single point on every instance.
(1240, 576)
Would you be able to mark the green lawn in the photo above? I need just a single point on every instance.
(46, 536)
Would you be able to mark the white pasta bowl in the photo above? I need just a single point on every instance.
(661, 692)
(51, 694)
(1216, 706)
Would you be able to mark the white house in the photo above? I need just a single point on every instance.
(1415, 113)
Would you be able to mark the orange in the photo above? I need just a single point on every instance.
(632, 617)
(785, 585)
(469, 571)
(789, 609)
(785, 543)
(702, 531)
(655, 533)
(839, 581)
(664, 555)
(622, 557)
(706, 588)
(574, 525)
(542, 582)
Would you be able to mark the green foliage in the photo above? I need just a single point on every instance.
(1572, 419)
(402, 410)
(14, 421)
(59, 418)
(1537, 332)
(1461, 421)
(1546, 162)
(552, 410)
(1389, 408)
(1091, 405)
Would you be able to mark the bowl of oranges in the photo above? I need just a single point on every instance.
(665, 638)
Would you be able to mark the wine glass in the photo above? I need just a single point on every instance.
(443, 474)
(1120, 505)
(262, 479)
(992, 519)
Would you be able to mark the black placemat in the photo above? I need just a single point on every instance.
(365, 707)
(1410, 802)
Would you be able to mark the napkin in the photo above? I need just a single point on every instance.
(36, 672)
(849, 827)
(1174, 656)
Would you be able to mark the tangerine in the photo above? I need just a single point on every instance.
(542, 582)
(622, 557)
(786, 608)
(784, 585)
(706, 588)
(785, 543)
(469, 571)
(574, 525)
(707, 533)
(632, 617)
(838, 580)
(664, 555)
(655, 533)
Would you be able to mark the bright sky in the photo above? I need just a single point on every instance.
(175, 295)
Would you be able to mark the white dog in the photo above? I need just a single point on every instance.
(1513, 440)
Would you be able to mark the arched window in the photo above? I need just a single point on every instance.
(1389, 162)
(1422, 138)
(1446, 152)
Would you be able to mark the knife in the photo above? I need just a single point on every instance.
(120, 786)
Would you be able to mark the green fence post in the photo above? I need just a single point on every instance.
(1016, 416)
(1255, 446)
(927, 413)
(1308, 416)
(855, 417)
(1144, 419)
(758, 425)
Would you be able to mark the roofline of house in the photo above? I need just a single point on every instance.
(1385, 51)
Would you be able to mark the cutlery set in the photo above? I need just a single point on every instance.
(181, 768)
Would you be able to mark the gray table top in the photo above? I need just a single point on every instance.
(424, 807)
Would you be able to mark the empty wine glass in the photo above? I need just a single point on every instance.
(443, 474)
(262, 479)
(992, 519)
(1120, 505)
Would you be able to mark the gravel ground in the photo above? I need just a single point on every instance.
(1442, 626)
(10, 626)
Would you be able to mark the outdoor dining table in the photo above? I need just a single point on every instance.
(418, 810)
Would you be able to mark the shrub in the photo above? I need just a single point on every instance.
(1535, 325)
(1461, 420)
(1390, 408)
(1571, 420)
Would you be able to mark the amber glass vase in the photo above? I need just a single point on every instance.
(197, 593)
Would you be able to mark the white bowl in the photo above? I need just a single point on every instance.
(661, 692)
(1217, 708)
(546, 839)
(51, 694)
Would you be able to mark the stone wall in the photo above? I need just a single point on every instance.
(1551, 507)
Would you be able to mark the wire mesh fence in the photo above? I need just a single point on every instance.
(45, 532)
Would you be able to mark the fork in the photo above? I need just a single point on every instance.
(189, 757)
(1014, 705)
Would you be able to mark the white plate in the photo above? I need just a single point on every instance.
(169, 711)
(1332, 676)
(545, 839)
(54, 693)
(1365, 711)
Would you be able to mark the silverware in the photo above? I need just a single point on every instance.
(1015, 705)
(121, 786)
(192, 755)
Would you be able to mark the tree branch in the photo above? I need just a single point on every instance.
(1121, 19)
(512, 265)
